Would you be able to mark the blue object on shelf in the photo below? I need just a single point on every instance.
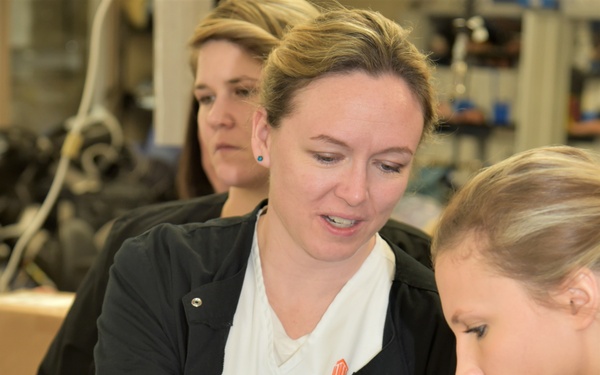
(548, 4)
(589, 115)
(501, 113)
(462, 104)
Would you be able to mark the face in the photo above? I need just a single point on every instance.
(226, 79)
(339, 163)
(499, 328)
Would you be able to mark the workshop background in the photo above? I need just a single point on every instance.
(511, 75)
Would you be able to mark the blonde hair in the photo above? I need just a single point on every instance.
(536, 213)
(342, 41)
(255, 25)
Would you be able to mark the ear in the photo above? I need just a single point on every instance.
(261, 136)
(581, 297)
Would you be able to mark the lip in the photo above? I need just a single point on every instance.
(225, 147)
(353, 217)
(359, 222)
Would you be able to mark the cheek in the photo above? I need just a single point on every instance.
(512, 349)
(386, 194)
(292, 172)
(202, 124)
(243, 113)
(490, 355)
(514, 358)
(245, 130)
(200, 135)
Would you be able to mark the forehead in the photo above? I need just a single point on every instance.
(339, 88)
(464, 251)
(471, 292)
(460, 263)
(222, 58)
(467, 283)
(360, 104)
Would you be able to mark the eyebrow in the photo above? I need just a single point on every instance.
(232, 81)
(329, 139)
(455, 318)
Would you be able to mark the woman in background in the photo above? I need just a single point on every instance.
(517, 260)
(304, 284)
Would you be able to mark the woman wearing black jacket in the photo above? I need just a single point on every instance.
(304, 284)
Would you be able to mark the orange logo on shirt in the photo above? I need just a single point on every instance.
(340, 368)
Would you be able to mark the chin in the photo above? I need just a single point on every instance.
(231, 177)
(335, 253)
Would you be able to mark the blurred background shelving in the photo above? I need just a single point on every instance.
(531, 78)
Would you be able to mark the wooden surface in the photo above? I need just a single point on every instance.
(28, 322)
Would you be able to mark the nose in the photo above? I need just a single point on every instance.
(466, 361)
(353, 186)
(220, 113)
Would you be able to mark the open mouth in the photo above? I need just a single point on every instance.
(340, 222)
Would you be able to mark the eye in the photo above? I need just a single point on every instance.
(326, 158)
(390, 167)
(244, 92)
(479, 331)
(206, 99)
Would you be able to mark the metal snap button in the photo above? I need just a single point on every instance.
(196, 302)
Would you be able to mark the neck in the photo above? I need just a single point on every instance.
(284, 258)
(242, 201)
(299, 288)
(594, 344)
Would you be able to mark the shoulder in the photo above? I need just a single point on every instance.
(412, 273)
(139, 220)
(414, 295)
(195, 237)
(411, 240)
(171, 251)
(417, 314)
(176, 212)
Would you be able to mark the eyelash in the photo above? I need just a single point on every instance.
(244, 92)
(479, 331)
(239, 92)
(206, 100)
(385, 168)
(325, 159)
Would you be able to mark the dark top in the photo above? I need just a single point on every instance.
(152, 323)
(71, 351)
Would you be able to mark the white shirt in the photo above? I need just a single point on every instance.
(350, 330)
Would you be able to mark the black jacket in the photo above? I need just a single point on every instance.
(71, 351)
(150, 324)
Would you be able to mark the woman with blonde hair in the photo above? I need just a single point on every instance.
(303, 284)
(517, 260)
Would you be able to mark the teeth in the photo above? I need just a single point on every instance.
(340, 222)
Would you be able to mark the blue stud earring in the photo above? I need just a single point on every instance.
(259, 158)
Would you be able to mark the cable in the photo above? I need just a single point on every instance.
(111, 151)
(69, 151)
